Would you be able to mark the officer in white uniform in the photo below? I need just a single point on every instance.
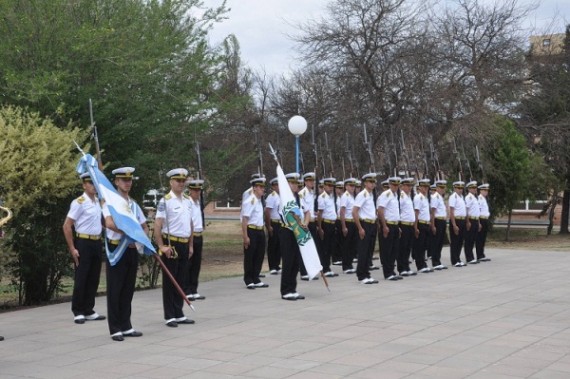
(438, 223)
(173, 235)
(407, 222)
(85, 248)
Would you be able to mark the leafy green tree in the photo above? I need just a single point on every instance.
(37, 179)
(147, 65)
(546, 116)
(516, 174)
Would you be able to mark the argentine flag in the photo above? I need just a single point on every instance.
(122, 214)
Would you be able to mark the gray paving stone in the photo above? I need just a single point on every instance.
(492, 320)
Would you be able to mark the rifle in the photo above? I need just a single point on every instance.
(200, 176)
(387, 154)
(349, 156)
(95, 136)
(405, 153)
(467, 162)
(331, 172)
(368, 147)
(456, 152)
(479, 163)
(259, 155)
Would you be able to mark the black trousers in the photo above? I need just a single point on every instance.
(406, 240)
(389, 248)
(470, 236)
(87, 275)
(253, 256)
(121, 280)
(291, 256)
(421, 245)
(436, 242)
(482, 238)
(363, 248)
(456, 241)
(194, 266)
(336, 253)
(172, 302)
(327, 244)
(273, 253)
(349, 245)
(313, 230)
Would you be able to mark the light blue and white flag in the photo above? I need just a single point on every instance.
(123, 216)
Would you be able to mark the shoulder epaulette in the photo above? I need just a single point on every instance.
(81, 199)
(167, 196)
(186, 196)
(253, 200)
(323, 195)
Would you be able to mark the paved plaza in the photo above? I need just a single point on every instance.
(508, 318)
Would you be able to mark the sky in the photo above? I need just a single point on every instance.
(262, 27)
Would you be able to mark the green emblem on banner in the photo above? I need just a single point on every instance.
(292, 218)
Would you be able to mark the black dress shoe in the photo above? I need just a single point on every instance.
(197, 296)
(172, 324)
(289, 296)
(1, 338)
(79, 321)
(300, 297)
(136, 333)
(117, 338)
(186, 321)
(261, 276)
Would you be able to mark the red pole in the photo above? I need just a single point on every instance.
(174, 282)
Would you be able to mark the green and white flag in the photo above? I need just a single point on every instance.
(292, 216)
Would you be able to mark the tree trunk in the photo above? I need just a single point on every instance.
(508, 234)
(565, 212)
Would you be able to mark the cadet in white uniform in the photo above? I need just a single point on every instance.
(196, 187)
(273, 224)
(438, 223)
(472, 225)
(389, 217)
(326, 219)
(407, 222)
(484, 220)
(121, 277)
(457, 213)
(253, 235)
(364, 216)
(421, 226)
(85, 248)
(348, 227)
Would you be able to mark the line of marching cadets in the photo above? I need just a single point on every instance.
(178, 231)
(409, 219)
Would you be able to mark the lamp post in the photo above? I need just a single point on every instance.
(297, 125)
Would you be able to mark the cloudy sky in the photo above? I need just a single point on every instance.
(262, 26)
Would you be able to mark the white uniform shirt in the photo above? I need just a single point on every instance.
(307, 198)
(177, 215)
(253, 209)
(273, 202)
(246, 194)
(365, 202)
(389, 201)
(472, 205)
(407, 213)
(458, 204)
(484, 207)
(197, 222)
(327, 205)
(439, 205)
(421, 204)
(347, 201)
(137, 211)
(86, 215)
